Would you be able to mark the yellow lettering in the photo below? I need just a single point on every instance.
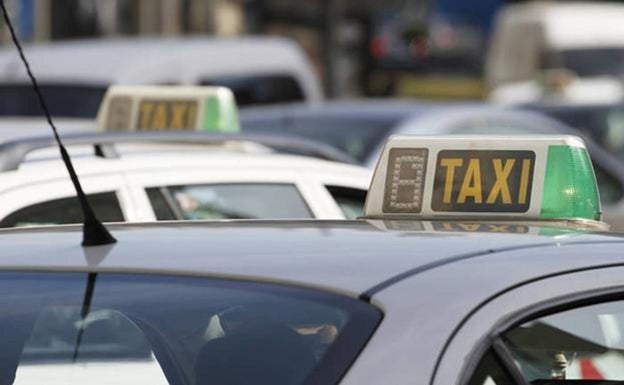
(159, 122)
(499, 228)
(450, 164)
(146, 112)
(471, 186)
(524, 181)
(467, 227)
(178, 111)
(191, 116)
(500, 186)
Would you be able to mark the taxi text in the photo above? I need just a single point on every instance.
(167, 115)
(483, 181)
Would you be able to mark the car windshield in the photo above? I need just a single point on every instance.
(587, 62)
(140, 329)
(259, 89)
(63, 100)
(358, 137)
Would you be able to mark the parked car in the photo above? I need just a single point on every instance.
(176, 176)
(74, 75)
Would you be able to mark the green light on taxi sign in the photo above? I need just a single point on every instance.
(570, 189)
(219, 116)
(170, 108)
(485, 178)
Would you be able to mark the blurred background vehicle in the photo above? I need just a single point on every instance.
(559, 58)
(74, 76)
(603, 122)
(571, 52)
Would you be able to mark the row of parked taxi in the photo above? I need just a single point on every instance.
(249, 156)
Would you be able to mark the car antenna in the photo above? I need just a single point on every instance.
(94, 233)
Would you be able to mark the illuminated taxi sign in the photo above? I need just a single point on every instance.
(533, 178)
(483, 181)
(158, 108)
(163, 114)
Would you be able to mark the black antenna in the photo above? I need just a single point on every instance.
(94, 233)
(84, 312)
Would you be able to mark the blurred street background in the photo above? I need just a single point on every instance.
(406, 48)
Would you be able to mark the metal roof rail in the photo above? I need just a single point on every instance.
(13, 152)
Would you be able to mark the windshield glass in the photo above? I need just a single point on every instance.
(358, 137)
(589, 62)
(138, 329)
(259, 89)
(228, 201)
(64, 100)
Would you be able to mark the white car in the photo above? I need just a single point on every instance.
(231, 178)
(567, 52)
(74, 75)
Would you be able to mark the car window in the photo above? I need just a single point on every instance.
(139, 329)
(65, 210)
(259, 89)
(350, 200)
(585, 343)
(65, 100)
(603, 124)
(490, 372)
(358, 137)
(229, 201)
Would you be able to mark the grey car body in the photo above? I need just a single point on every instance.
(441, 308)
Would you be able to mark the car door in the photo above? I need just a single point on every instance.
(560, 326)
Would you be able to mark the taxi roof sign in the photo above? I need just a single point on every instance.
(484, 177)
(160, 108)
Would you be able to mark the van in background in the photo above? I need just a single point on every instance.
(564, 52)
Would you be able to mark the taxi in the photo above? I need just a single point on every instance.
(478, 261)
(174, 153)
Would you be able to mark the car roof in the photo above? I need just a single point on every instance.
(441, 120)
(142, 60)
(201, 159)
(401, 111)
(562, 106)
(343, 256)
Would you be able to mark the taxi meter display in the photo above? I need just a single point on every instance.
(158, 108)
(547, 177)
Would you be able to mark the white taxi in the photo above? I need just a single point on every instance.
(154, 160)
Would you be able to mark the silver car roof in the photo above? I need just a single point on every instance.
(349, 257)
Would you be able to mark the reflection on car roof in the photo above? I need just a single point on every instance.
(313, 253)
